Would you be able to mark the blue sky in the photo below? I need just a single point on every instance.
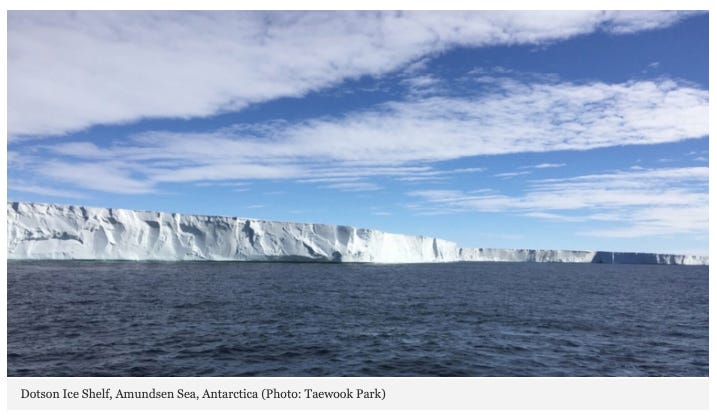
(573, 130)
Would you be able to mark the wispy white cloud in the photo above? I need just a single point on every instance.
(399, 139)
(354, 186)
(517, 118)
(629, 21)
(422, 81)
(438, 175)
(545, 166)
(329, 180)
(381, 213)
(52, 192)
(71, 70)
(221, 184)
(554, 217)
(105, 176)
(631, 204)
(512, 174)
(424, 85)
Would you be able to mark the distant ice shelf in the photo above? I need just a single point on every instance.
(52, 232)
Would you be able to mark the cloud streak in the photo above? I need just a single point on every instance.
(52, 192)
(399, 139)
(68, 71)
(628, 204)
(545, 166)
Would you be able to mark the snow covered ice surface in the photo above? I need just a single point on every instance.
(48, 231)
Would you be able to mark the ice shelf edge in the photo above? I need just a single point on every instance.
(58, 232)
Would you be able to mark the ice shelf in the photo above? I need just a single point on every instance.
(49, 231)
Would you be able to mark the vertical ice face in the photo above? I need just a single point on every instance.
(48, 231)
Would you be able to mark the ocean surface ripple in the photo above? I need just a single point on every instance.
(88, 318)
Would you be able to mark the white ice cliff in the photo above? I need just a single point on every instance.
(48, 231)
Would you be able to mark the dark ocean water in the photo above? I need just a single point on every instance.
(463, 319)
